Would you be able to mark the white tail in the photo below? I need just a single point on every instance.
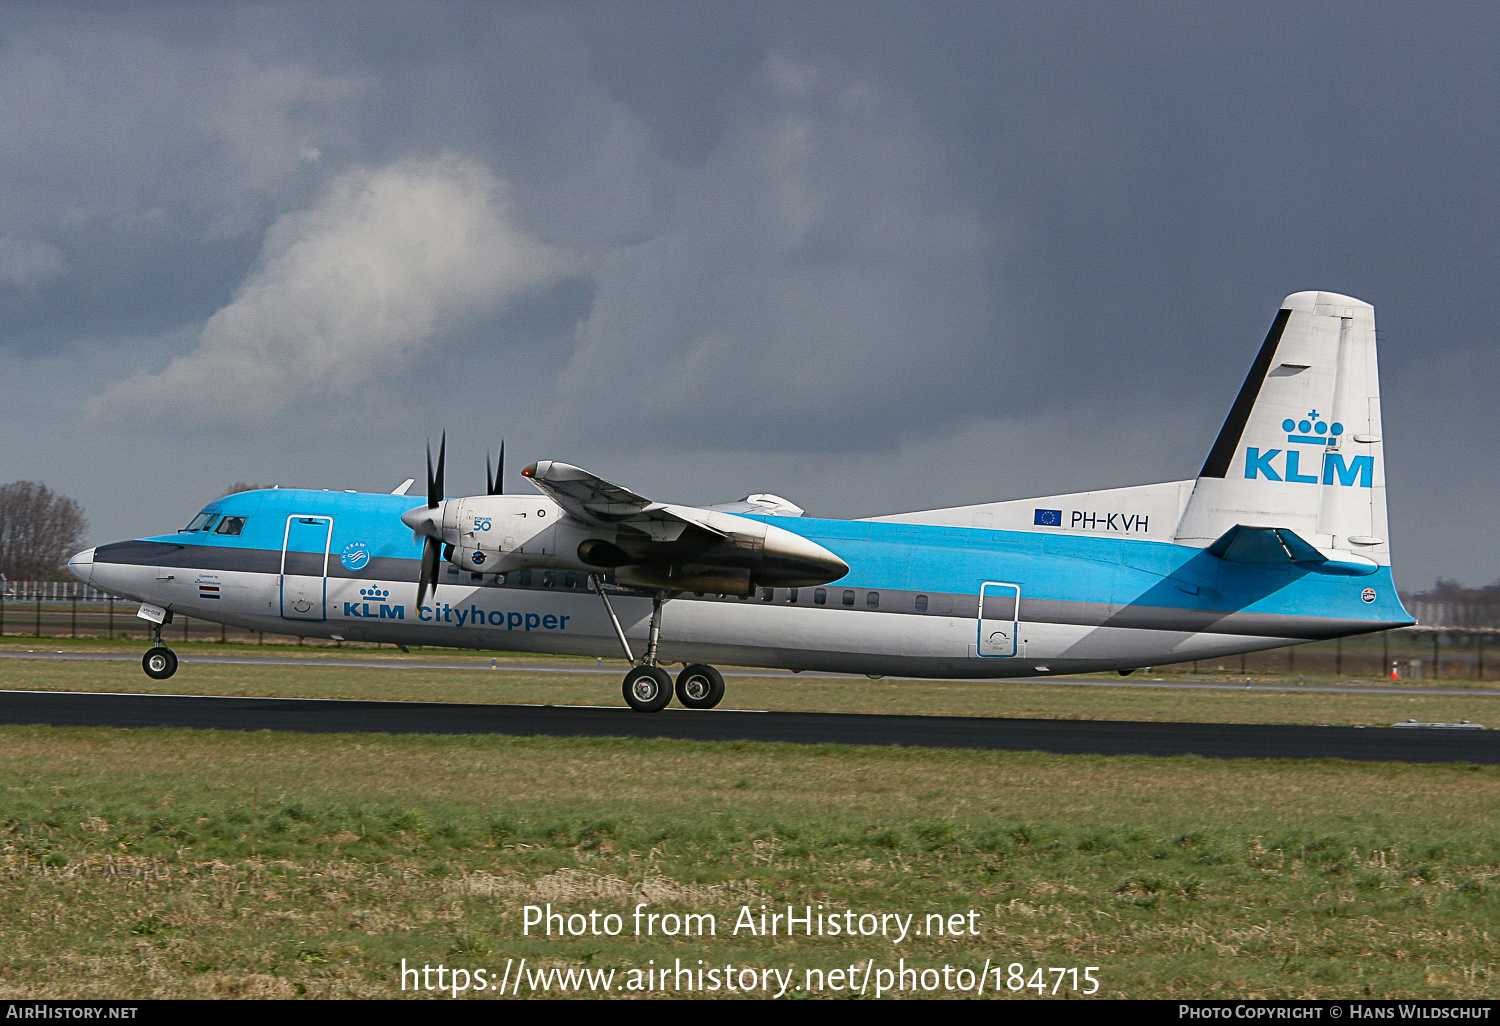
(1301, 448)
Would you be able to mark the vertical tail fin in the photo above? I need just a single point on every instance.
(1301, 448)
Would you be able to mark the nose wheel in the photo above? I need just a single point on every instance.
(159, 662)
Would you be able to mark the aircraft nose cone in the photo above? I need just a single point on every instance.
(81, 566)
(424, 520)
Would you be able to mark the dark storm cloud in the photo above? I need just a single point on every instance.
(976, 250)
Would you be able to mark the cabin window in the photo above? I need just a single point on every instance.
(548, 578)
(820, 597)
(921, 603)
(791, 596)
(230, 525)
(872, 599)
(767, 594)
(570, 580)
(476, 577)
(524, 578)
(849, 599)
(198, 521)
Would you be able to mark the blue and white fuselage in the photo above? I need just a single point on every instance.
(1281, 539)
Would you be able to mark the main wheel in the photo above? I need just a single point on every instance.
(159, 663)
(700, 686)
(647, 689)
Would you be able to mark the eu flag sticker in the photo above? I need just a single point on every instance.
(1048, 518)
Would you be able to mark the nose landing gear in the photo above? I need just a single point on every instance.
(647, 687)
(159, 662)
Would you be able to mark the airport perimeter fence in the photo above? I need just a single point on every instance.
(72, 609)
(1453, 641)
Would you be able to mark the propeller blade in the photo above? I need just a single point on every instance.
(431, 499)
(435, 481)
(430, 553)
(495, 485)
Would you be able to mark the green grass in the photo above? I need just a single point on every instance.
(476, 682)
(186, 864)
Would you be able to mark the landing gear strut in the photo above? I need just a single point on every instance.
(159, 662)
(647, 687)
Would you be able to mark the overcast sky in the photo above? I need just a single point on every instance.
(873, 257)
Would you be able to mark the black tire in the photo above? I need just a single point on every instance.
(700, 686)
(159, 663)
(647, 689)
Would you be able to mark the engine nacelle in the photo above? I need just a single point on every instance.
(498, 534)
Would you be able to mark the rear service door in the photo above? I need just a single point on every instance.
(999, 615)
(304, 567)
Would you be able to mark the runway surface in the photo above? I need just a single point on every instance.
(1213, 740)
(479, 663)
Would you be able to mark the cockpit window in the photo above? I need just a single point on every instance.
(198, 522)
(231, 525)
(210, 524)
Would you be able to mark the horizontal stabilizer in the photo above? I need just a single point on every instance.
(1279, 545)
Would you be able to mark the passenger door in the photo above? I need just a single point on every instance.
(304, 567)
(999, 617)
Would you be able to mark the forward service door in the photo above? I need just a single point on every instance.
(304, 567)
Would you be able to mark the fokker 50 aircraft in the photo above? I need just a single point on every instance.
(1280, 539)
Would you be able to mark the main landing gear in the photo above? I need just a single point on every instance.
(647, 687)
(159, 662)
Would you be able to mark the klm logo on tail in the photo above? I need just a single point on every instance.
(1357, 471)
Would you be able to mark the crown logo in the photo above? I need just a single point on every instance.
(1312, 430)
(373, 593)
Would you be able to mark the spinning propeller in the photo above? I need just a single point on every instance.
(432, 550)
(429, 522)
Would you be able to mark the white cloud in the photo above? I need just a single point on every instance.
(26, 263)
(345, 295)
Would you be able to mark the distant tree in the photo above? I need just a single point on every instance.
(39, 530)
(1453, 591)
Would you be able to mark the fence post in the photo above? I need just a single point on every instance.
(184, 628)
(1480, 667)
(2, 610)
(1385, 653)
(223, 633)
(75, 616)
(111, 618)
(1338, 658)
(38, 611)
(1436, 664)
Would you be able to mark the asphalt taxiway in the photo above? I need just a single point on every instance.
(1090, 737)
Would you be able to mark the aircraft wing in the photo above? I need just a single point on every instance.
(597, 501)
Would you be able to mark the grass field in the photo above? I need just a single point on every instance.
(476, 682)
(180, 863)
(200, 864)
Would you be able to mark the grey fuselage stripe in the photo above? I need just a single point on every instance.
(966, 606)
